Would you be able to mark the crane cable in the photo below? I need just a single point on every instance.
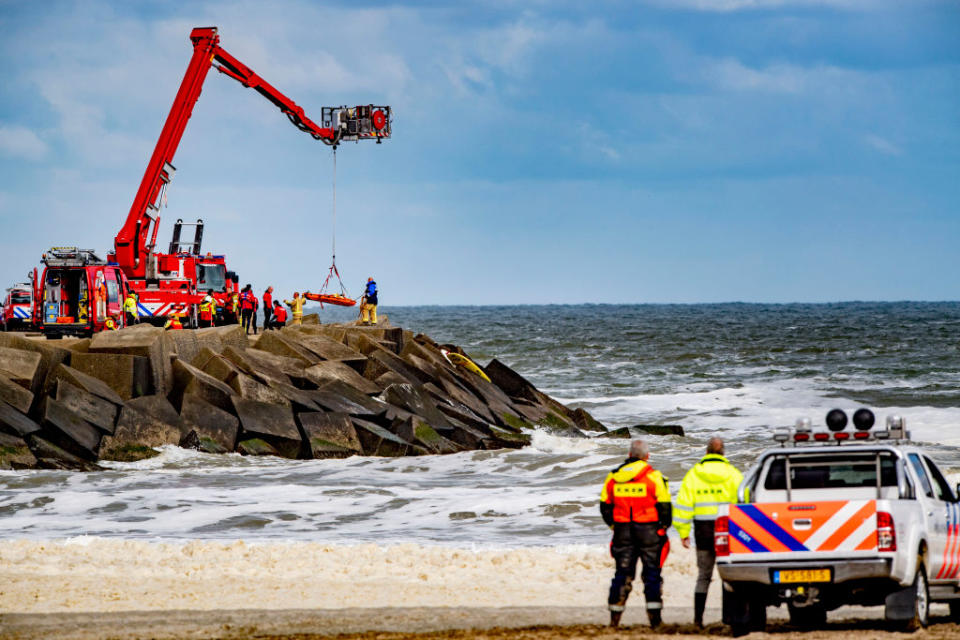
(333, 265)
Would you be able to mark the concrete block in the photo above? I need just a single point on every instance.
(15, 395)
(82, 380)
(328, 371)
(219, 338)
(273, 342)
(15, 454)
(416, 401)
(67, 430)
(311, 319)
(249, 389)
(272, 423)
(585, 421)
(50, 354)
(380, 362)
(377, 441)
(219, 367)
(50, 456)
(257, 447)
(337, 396)
(511, 382)
(390, 377)
(78, 345)
(189, 379)
(326, 348)
(184, 344)
(330, 435)
(265, 366)
(417, 431)
(99, 412)
(151, 343)
(300, 399)
(15, 422)
(127, 375)
(214, 430)
(22, 367)
(138, 432)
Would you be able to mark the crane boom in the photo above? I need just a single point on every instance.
(131, 246)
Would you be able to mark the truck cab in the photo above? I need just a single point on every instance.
(838, 517)
(18, 307)
(77, 292)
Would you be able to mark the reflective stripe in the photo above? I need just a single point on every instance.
(680, 519)
(705, 517)
(654, 605)
(617, 607)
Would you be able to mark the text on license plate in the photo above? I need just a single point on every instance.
(802, 575)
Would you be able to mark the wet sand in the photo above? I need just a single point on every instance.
(106, 588)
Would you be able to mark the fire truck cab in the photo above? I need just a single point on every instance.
(77, 292)
(18, 307)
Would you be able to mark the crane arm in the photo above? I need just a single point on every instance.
(131, 246)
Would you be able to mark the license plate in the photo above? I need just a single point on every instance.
(801, 575)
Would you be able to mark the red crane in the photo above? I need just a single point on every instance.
(168, 283)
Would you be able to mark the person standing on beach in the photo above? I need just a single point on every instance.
(709, 483)
(247, 306)
(635, 503)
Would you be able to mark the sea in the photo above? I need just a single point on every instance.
(734, 370)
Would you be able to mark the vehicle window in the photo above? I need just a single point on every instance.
(212, 276)
(940, 485)
(113, 292)
(18, 297)
(918, 469)
(832, 472)
(120, 292)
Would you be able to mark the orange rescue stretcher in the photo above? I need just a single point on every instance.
(330, 298)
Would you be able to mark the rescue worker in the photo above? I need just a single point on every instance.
(173, 323)
(711, 482)
(267, 307)
(110, 324)
(208, 309)
(247, 306)
(279, 315)
(130, 308)
(256, 308)
(635, 503)
(296, 306)
(368, 305)
(232, 312)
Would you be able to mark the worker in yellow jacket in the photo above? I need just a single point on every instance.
(710, 483)
(296, 306)
(130, 309)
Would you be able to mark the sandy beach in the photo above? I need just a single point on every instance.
(101, 588)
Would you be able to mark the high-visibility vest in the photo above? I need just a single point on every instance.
(173, 323)
(130, 304)
(710, 483)
(634, 489)
(207, 305)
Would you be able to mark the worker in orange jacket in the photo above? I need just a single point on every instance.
(635, 503)
(279, 315)
(267, 307)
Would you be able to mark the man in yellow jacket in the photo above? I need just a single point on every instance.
(296, 306)
(130, 309)
(635, 503)
(710, 483)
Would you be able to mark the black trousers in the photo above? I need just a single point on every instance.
(266, 316)
(632, 542)
(247, 315)
(131, 319)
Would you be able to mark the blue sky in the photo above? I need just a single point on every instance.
(543, 151)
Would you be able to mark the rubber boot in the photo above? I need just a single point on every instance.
(655, 618)
(615, 618)
(699, 604)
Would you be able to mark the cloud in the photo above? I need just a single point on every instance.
(882, 145)
(20, 142)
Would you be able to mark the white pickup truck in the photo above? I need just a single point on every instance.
(840, 517)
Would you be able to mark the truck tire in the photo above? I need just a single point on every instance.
(744, 609)
(812, 617)
(910, 608)
(955, 610)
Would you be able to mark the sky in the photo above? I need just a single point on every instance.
(547, 151)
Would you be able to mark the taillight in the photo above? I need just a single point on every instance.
(886, 535)
(721, 536)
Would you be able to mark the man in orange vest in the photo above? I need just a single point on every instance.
(635, 503)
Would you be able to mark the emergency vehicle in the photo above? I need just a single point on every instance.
(77, 292)
(840, 517)
(18, 307)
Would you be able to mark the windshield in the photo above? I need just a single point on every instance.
(212, 276)
(832, 472)
(19, 297)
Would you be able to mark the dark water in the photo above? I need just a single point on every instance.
(733, 369)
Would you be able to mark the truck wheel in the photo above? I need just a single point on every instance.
(744, 610)
(919, 598)
(955, 610)
(812, 617)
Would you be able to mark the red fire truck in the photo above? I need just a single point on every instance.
(176, 281)
(77, 291)
(18, 307)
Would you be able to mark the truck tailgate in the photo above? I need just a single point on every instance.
(841, 526)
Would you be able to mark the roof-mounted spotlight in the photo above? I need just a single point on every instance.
(863, 419)
(836, 420)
